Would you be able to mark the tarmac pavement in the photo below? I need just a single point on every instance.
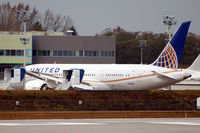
(133, 125)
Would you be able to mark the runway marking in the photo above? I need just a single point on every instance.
(98, 123)
(156, 122)
(175, 123)
(49, 124)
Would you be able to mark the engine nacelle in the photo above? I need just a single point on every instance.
(34, 84)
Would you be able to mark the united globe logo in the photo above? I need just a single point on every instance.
(167, 58)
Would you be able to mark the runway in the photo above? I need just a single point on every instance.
(144, 125)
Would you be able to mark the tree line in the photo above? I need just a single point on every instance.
(12, 17)
(128, 50)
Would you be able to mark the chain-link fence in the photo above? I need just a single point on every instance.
(95, 105)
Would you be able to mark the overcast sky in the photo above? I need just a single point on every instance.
(93, 16)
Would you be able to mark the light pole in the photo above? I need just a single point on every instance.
(23, 15)
(143, 43)
(169, 20)
(24, 41)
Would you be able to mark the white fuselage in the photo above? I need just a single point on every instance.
(109, 76)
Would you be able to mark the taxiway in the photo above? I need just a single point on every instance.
(140, 125)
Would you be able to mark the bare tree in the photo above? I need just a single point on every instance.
(12, 19)
(68, 23)
(24, 13)
(32, 18)
(55, 22)
(46, 20)
(6, 17)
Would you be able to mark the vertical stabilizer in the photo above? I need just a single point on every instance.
(171, 55)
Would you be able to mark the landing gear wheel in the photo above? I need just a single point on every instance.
(44, 87)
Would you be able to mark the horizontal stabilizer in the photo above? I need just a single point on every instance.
(164, 75)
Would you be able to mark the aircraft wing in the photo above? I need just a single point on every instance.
(69, 78)
(44, 77)
(84, 86)
(162, 75)
(86, 83)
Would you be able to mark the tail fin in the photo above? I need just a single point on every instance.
(196, 64)
(171, 55)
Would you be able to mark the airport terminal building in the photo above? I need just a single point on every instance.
(44, 47)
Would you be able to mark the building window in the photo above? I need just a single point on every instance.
(7, 52)
(48, 52)
(102, 53)
(55, 53)
(76, 53)
(23, 53)
(90, 53)
(34, 53)
(13, 52)
(113, 53)
(39, 52)
(44, 53)
(71, 53)
(65, 53)
(109, 54)
(106, 54)
(86, 53)
(1, 52)
(95, 53)
(51, 52)
(59, 52)
(98, 53)
(80, 52)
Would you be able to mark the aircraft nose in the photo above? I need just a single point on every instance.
(186, 75)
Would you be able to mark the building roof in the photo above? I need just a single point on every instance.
(42, 33)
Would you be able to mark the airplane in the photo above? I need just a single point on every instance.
(162, 72)
(193, 82)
